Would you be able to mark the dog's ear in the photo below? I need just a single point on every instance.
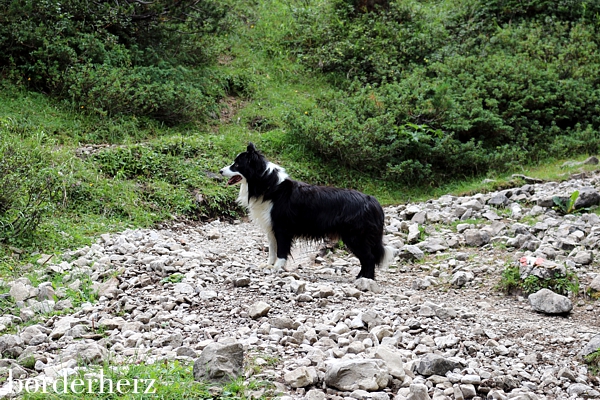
(251, 148)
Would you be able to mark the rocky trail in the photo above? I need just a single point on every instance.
(433, 326)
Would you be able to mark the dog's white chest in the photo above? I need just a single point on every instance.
(259, 210)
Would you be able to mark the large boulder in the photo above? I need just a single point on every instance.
(548, 302)
(350, 375)
(219, 361)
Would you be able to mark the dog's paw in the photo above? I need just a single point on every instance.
(266, 266)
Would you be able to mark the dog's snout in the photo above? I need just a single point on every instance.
(221, 171)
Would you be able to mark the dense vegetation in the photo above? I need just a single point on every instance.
(116, 58)
(426, 91)
(395, 98)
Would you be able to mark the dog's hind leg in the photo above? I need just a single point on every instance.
(362, 251)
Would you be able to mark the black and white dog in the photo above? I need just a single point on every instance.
(286, 209)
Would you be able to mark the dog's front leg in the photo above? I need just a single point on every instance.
(283, 246)
(272, 248)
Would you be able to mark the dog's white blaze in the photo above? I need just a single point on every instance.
(228, 172)
(260, 213)
(281, 174)
(243, 195)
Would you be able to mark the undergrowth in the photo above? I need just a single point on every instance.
(511, 282)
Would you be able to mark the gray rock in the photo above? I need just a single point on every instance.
(112, 323)
(476, 237)
(548, 302)
(11, 346)
(184, 288)
(259, 309)
(595, 284)
(62, 326)
(414, 233)
(110, 288)
(184, 351)
(87, 353)
(419, 217)
(588, 197)
(411, 252)
(592, 346)
(219, 362)
(392, 359)
(371, 319)
(325, 291)
(349, 375)
(208, 295)
(584, 257)
(434, 364)
(20, 291)
(45, 292)
(367, 285)
(283, 323)
(315, 394)
(473, 205)
(582, 390)
(433, 245)
(301, 377)
(241, 281)
(33, 336)
(418, 391)
(461, 278)
(498, 200)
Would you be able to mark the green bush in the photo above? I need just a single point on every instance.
(136, 58)
(30, 184)
(592, 360)
(425, 93)
(171, 95)
(562, 284)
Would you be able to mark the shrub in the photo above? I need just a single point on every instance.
(116, 57)
(511, 281)
(426, 94)
(593, 362)
(30, 184)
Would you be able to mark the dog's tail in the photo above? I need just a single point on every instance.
(384, 256)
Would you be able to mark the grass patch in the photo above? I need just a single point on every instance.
(164, 380)
(593, 362)
(511, 282)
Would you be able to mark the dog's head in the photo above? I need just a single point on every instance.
(247, 165)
